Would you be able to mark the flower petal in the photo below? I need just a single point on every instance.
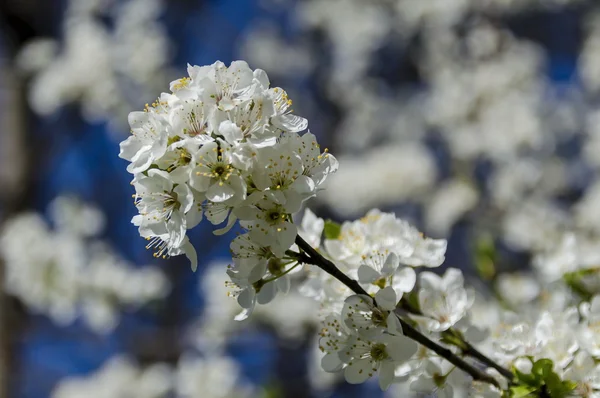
(331, 363)
(358, 371)
(400, 348)
(219, 192)
(386, 298)
(367, 274)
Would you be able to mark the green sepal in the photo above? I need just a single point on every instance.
(455, 338)
(332, 230)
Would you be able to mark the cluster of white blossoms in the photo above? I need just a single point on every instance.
(225, 146)
(66, 272)
(551, 342)
(192, 377)
(105, 68)
(362, 334)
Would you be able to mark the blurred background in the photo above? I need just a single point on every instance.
(476, 120)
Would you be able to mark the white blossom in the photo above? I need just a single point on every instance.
(443, 301)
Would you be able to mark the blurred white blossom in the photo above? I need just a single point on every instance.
(65, 272)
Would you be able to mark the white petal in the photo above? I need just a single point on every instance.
(267, 293)
(257, 272)
(386, 374)
(400, 348)
(286, 236)
(246, 312)
(190, 253)
(140, 161)
(386, 298)
(446, 392)
(230, 222)
(193, 217)
(453, 278)
(130, 147)
(331, 363)
(335, 248)
(261, 76)
(283, 284)
(423, 384)
(405, 279)
(185, 197)
(429, 281)
(199, 182)
(595, 305)
(394, 327)
(358, 371)
(291, 123)
(391, 264)
(246, 212)
(226, 104)
(305, 186)
(367, 274)
(137, 119)
(219, 192)
(231, 131)
(247, 298)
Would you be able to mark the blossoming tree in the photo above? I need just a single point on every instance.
(224, 146)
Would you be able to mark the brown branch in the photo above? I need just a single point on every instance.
(16, 178)
(466, 347)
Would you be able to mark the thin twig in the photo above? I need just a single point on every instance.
(311, 256)
(473, 352)
(467, 348)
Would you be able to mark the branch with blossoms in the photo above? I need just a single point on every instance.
(311, 256)
(224, 146)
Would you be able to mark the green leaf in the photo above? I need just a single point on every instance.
(575, 283)
(522, 391)
(542, 367)
(485, 257)
(332, 229)
(528, 379)
(558, 388)
(413, 300)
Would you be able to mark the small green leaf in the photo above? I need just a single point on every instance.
(412, 300)
(485, 257)
(522, 391)
(558, 388)
(543, 368)
(332, 230)
(575, 283)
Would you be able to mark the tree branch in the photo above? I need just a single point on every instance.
(311, 256)
(467, 348)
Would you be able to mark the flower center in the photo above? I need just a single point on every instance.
(274, 216)
(172, 140)
(380, 283)
(379, 318)
(439, 380)
(171, 201)
(219, 170)
(275, 266)
(378, 352)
